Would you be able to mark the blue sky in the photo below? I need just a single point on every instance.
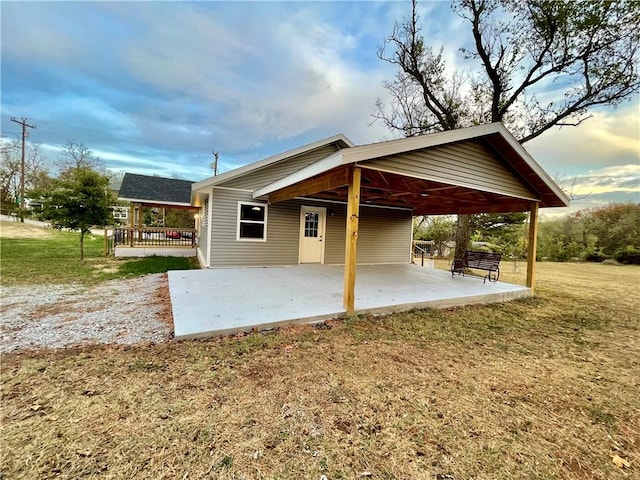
(154, 87)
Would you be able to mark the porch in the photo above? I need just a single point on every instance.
(231, 300)
(144, 241)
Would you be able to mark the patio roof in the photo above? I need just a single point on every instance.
(473, 170)
(340, 140)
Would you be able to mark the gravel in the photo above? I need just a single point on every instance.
(121, 312)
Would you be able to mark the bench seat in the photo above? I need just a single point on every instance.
(490, 262)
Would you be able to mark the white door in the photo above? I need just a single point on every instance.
(312, 226)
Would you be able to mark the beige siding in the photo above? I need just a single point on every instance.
(335, 234)
(281, 247)
(384, 233)
(267, 175)
(469, 165)
(204, 230)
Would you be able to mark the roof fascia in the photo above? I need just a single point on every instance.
(407, 144)
(392, 147)
(375, 150)
(139, 200)
(208, 182)
(537, 169)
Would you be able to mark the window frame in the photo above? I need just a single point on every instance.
(120, 212)
(239, 221)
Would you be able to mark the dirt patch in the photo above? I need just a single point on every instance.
(119, 311)
(22, 230)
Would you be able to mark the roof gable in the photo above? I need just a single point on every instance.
(150, 189)
(340, 140)
(495, 150)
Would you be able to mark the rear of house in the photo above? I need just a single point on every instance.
(292, 208)
(235, 229)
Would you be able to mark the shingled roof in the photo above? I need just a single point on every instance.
(159, 190)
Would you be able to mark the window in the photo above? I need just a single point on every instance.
(252, 221)
(311, 222)
(120, 213)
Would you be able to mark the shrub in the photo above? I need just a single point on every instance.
(594, 256)
(628, 255)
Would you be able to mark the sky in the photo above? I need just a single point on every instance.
(155, 87)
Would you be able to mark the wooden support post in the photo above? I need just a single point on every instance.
(132, 222)
(351, 241)
(140, 222)
(531, 249)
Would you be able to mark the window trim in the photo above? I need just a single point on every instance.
(239, 221)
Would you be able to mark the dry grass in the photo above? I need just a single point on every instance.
(541, 388)
(22, 230)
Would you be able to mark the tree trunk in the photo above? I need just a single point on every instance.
(81, 245)
(463, 235)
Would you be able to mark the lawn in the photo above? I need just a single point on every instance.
(541, 388)
(32, 255)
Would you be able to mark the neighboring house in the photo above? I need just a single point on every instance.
(152, 190)
(157, 195)
(314, 204)
(33, 204)
(120, 213)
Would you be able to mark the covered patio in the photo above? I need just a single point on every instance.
(226, 301)
(474, 170)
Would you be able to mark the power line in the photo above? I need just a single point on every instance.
(25, 125)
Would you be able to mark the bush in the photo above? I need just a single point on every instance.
(628, 255)
(594, 256)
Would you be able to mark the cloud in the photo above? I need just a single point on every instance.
(155, 86)
(599, 187)
(610, 138)
(622, 178)
(207, 74)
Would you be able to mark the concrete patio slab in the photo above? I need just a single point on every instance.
(230, 300)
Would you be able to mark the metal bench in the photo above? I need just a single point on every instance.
(489, 262)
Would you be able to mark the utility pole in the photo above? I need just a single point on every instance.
(214, 164)
(24, 124)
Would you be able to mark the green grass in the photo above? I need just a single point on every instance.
(53, 257)
(142, 266)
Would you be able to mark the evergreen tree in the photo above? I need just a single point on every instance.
(78, 200)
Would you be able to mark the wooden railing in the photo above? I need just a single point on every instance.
(426, 246)
(421, 249)
(155, 237)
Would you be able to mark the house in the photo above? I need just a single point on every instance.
(151, 237)
(153, 190)
(332, 202)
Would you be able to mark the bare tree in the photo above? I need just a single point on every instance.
(521, 51)
(36, 172)
(76, 155)
(568, 185)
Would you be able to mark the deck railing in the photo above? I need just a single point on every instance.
(421, 249)
(154, 237)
